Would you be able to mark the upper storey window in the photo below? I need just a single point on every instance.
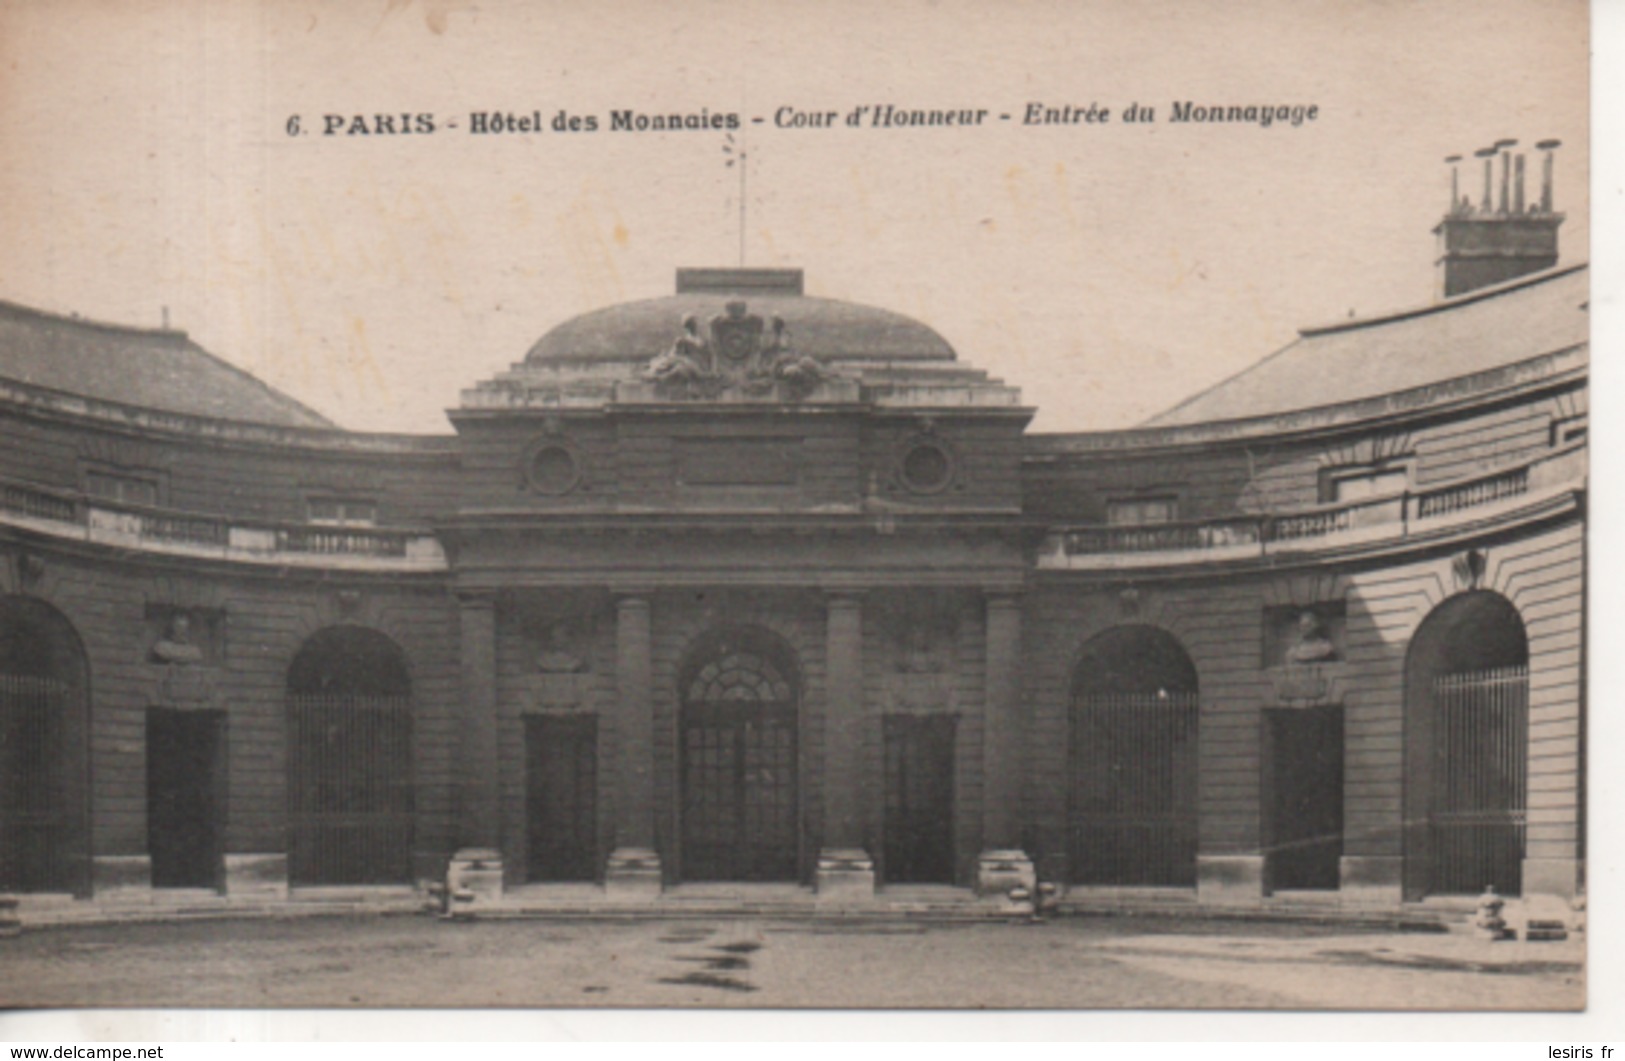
(126, 487)
(1568, 430)
(1359, 482)
(1138, 511)
(342, 512)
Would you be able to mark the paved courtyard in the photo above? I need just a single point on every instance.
(1072, 963)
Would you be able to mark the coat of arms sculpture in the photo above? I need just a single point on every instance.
(739, 352)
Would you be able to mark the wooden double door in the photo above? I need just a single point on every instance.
(918, 825)
(561, 797)
(1303, 754)
(186, 797)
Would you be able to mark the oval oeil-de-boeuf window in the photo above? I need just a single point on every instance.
(553, 469)
(927, 468)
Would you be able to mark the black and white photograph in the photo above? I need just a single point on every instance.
(756, 506)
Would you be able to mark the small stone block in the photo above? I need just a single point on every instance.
(1230, 880)
(998, 871)
(845, 875)
(121, 876)
(633, 873)
(474, 873)
(257, 876)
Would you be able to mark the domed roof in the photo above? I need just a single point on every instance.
(825, 328)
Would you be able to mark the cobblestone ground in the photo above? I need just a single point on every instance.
(1082, 963)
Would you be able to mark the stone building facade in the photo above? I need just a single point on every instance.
(740, 592)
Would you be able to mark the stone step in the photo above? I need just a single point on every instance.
(1545, 930)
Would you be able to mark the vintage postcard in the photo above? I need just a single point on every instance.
(934, 505)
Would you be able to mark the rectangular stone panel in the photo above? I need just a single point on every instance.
(741, 461)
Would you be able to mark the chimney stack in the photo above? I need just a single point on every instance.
(1501, 241)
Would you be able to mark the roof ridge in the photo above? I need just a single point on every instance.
(1466, 298)
(77, 321)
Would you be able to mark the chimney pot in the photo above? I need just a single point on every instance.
(1497, 242)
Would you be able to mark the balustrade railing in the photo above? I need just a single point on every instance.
(1291, 529)
(25, 499)
(172, 527)
(1482, 491)
(1311, 524)
(343, 541)
(198, 530)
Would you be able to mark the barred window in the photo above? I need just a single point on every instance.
(1138, 511)
(131, 488)
(342, 512)
(1358, 482)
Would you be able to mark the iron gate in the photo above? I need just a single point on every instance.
(33, 810)
(1133, 810)
(350, 789)
(739, 809)
(1479, 786)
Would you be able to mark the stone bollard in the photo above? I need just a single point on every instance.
(1036, 902)
(1045, 900)
(1487, 921)
(473, 882)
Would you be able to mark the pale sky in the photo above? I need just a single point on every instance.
(1106, 270)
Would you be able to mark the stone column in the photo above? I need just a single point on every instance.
(1003, 864)
(475, 875)
(846, 872)
(634, 865)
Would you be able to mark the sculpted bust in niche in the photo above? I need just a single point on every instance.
(556, 657)
(176, 646)
(918, 655)
(1311, 645)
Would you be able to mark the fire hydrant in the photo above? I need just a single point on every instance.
(1488, 922)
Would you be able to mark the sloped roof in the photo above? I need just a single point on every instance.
(1482, 330)
(151, 368)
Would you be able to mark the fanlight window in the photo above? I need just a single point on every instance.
(739, 676)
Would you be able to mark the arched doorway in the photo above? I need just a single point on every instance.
(740, 690)
(349, 760)
(1466, 740)
(1133, 761)
(44, 682)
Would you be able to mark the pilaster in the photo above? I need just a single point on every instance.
(846, 872)
(480, 822)
(634, 865)
(1003, 864)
